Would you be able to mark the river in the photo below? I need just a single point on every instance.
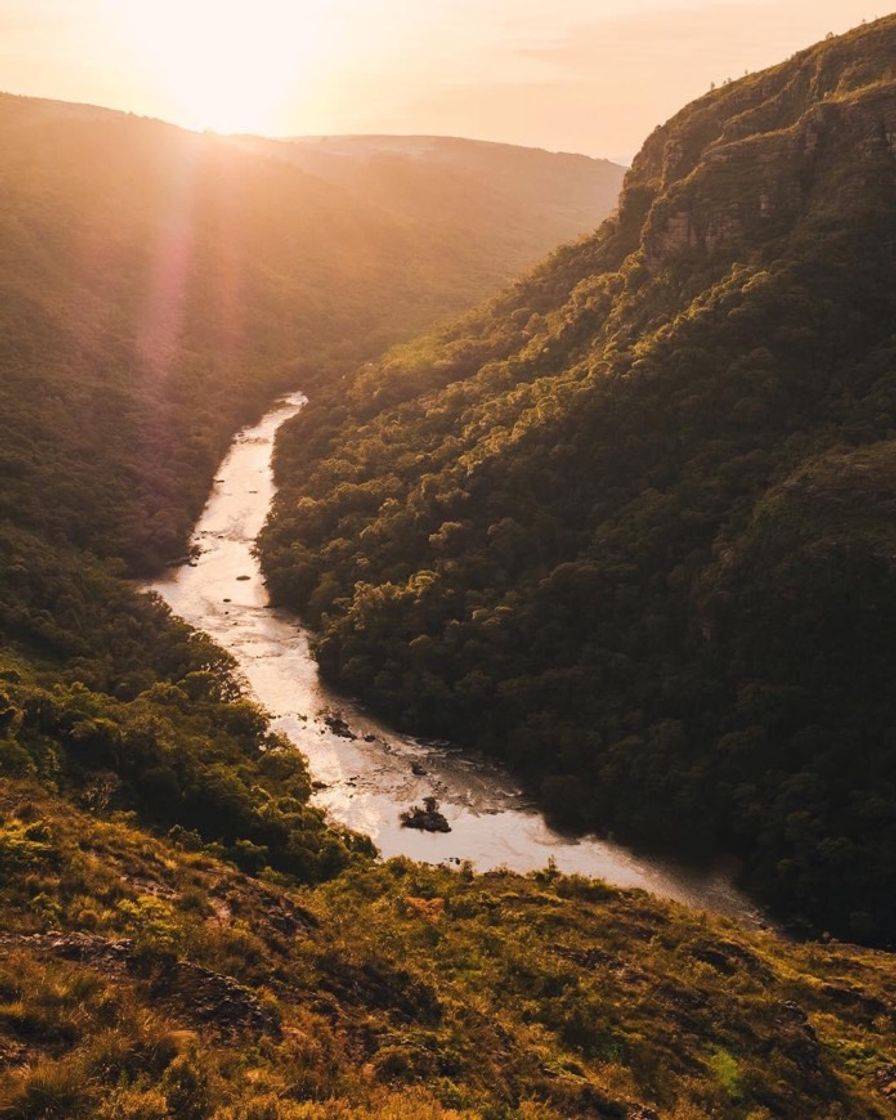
(367, 781)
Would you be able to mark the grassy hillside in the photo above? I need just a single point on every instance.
(630, 526)
(144, 979)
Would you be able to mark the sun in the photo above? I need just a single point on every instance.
(226, 65)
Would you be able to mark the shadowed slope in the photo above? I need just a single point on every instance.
(552, 530)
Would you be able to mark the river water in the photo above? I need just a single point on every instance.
(367, 781)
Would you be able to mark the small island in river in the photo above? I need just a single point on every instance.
(427, 819)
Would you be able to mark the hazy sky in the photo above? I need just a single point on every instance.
(592, 76)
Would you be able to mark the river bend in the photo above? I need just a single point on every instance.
(367, 781)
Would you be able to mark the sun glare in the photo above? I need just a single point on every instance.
(226, 65)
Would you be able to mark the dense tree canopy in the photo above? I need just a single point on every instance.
(630, 526)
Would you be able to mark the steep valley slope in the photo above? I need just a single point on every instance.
(630, 526)
(159, 287)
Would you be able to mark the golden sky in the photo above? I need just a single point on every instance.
(592, 76)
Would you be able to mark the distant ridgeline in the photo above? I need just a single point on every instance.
(632, 526)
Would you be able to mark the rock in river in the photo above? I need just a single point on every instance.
(427, 819)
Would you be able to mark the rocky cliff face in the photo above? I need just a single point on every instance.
(812, 136)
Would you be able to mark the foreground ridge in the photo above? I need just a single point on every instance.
(400, 991)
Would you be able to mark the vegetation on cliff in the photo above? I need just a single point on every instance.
(630, 527)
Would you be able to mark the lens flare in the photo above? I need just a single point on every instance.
(225, 65)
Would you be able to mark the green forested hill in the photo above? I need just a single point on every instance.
(631, 525)
(157, 287)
